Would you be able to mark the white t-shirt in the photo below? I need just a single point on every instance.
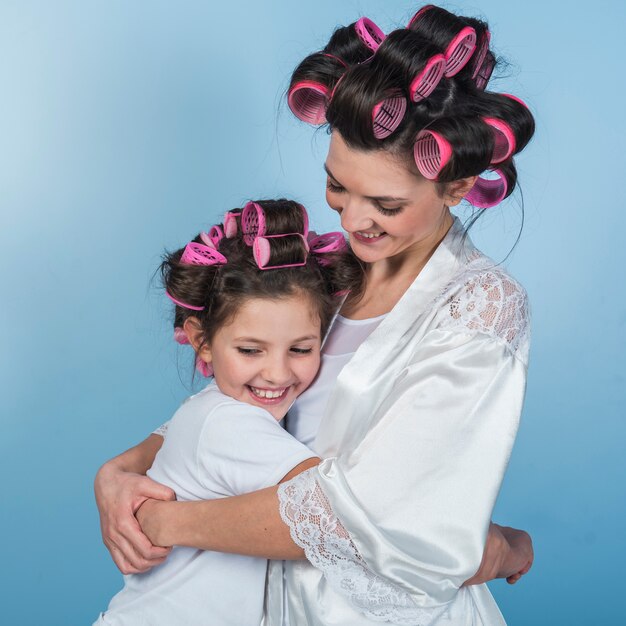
(215, 447)
(344, 338)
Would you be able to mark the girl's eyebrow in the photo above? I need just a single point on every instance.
(374, 198)
(263, 342)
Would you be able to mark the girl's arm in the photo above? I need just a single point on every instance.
(121, 487)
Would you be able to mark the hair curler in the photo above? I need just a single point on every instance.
(200, 254)
(431, 152)
(230, 224)
(213, 237)
(504, 140)
(262, 251)
(481, 53)
(487, 192)
(327, 243)
(370, 34)
(387, 115)
(427, 80)
(308, 100)
(460, 50)
(253, 222)
(485, 70)
(419, 14)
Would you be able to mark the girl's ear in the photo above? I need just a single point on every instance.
(195, 334)
(457, 190)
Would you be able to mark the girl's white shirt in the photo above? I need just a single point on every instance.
(415, 437)
(215, 447)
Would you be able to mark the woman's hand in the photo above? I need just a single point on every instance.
(508, 554)
(119, 493)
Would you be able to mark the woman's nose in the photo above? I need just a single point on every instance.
(354, 216)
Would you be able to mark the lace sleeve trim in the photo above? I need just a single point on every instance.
(489, 301)
(328, 546)
(161, 430)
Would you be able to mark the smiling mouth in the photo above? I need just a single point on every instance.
(266, 396)
(368, 237)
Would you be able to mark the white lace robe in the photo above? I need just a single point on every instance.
(416, 438)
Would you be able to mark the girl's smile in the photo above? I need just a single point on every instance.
(269, 354)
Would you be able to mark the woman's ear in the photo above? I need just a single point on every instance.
(195, 334)
(458, 189)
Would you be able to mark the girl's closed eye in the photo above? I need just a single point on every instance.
(299, 350)
(248, 351)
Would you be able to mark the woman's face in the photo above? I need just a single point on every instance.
(386, 208)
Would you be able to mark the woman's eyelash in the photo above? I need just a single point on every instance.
(334, 188)
(388, 212)
(338, 189)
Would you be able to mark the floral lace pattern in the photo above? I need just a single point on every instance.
(327, 545)
(484, 299)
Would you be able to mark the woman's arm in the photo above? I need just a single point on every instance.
(249, 524)
(121, 487)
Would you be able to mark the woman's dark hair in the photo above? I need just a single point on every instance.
(455, 109)
(220, 290)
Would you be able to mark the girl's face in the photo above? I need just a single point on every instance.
(386, 208)
(269, 354)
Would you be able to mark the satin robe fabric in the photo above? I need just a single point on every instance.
(416, 437)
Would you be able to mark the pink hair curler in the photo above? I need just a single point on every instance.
(180, 336)
(484, 73)
(213, 237)
(488, 192)
(508, 95)
(427, 80)
(230, 224)
(419, 14)
(200, 254)
(481, 53)
(332, 56)
(261, 250)
(206, 369)
(460, 50)
(504, 140)
(327, 243)
(370, 34)
(431, 152)
(308, 101)
(182, 304)
(252, 222)
(206, 240)
(387, 115)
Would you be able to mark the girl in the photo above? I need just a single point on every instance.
(430, 353)
(254, 306)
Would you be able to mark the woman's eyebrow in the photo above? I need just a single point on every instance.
(375, 198)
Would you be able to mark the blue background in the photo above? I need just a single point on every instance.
(125, 127)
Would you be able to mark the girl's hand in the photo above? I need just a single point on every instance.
(508, 554)
(119, 494)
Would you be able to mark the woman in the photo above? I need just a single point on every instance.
(429, 356)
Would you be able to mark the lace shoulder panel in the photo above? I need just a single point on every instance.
(327, 545)
(485, 299)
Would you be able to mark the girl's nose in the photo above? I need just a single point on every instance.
(277, 371)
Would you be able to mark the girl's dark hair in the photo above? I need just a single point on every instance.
(455, 108)
(221, 289)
